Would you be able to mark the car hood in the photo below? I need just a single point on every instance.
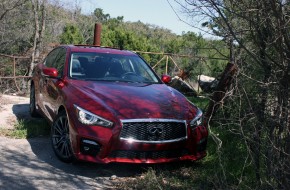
(135, 100)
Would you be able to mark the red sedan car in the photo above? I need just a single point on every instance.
(107, 105)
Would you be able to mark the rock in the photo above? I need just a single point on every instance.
(182, 86)
(206, 83)
(113, 177)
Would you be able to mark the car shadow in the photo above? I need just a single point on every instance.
(42, 148)
(21, 111)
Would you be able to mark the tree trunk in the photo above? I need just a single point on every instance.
(39, 24)
(220, 93)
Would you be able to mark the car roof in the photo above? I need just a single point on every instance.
(98, 49)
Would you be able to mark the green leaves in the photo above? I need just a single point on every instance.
(71, 35)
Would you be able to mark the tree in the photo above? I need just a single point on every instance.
(101, 17)
(14, 26)
(257, 32)
(71, 35)
(39, 11)
(9, 5)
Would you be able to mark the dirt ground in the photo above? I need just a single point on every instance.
(31, 163)
(11, 108)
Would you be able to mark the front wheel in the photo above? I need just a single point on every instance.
(60, 138)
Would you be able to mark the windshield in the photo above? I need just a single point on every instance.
(110, 67)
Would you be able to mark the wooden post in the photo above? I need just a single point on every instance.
(14, 73)
(158, 62)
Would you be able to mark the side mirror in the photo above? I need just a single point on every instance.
(50, 72)
(166, 79)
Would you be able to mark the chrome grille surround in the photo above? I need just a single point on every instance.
(137, 130)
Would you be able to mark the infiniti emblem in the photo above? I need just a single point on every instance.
(155, 131)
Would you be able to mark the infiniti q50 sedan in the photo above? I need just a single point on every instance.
(107, 105)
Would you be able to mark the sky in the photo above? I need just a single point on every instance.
(156, 12)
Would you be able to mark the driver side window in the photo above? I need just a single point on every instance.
(56, 59)
(60, 61)
(49, 61)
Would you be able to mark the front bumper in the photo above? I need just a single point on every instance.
(102, 145)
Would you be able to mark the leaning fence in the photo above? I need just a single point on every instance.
(14, 70)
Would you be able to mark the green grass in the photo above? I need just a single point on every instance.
(200, 102)
(27, 129)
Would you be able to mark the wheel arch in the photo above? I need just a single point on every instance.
(60, 109)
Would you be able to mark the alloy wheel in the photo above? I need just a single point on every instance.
(61, 139)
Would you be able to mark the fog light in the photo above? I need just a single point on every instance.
(90, 147)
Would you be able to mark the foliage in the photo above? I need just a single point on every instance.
(200, 102)
(101, 17)
(71, 35)
(15, 26)
(257, 110)
(63, 26)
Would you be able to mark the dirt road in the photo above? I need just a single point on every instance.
(31, 164)
(13, 108)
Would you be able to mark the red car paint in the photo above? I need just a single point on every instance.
(119, 102)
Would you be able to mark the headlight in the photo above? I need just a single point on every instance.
(197, 120)
(89, 118)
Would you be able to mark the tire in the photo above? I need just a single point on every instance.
(60, 138)
(32, 103)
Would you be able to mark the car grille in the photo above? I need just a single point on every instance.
(160, 131)
(148, 154)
